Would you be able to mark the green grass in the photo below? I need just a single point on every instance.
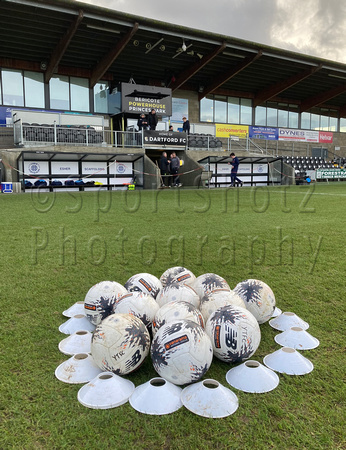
(54, 248)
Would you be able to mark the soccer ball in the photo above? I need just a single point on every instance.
(120, 343)
(259, 299)
(141, 305)
(178, 292)
(99, 300)
(181, 352)
(234, 333)
(173, 311)
(144, 282)
(218, 298)
(177, 275)
(208, 282)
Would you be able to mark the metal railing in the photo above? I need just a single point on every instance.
(35, 134)
(26, 134)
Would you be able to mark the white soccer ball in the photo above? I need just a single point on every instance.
(99, 300)
(120, 343)
(176, 310)
(208, 282)
(258, 297)
(178, 292)
(234, 333)
(141, 305)
(177, 275)
(144, 282)
(181, 352)
(218, 298)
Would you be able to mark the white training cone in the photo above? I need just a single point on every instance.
(277, 311)
(78, 342)
(106, 390)
(80, 368)
(252, 376)
(288, 360)
(297, 338)
(157, 397)
(76, 323)
(286, 320)
(209, 398)
(77, 308)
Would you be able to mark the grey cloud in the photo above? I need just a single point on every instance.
(314, 27)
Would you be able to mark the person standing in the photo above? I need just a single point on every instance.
(186, 125)
(152, 119)
(142, 122)
(164, 169)
(175, 164)
(234, 171)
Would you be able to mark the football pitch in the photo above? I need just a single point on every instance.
(54, 247)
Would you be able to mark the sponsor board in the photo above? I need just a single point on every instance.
(263, 133)
(330, 173)
(137, 98)
(226, 130)
(164, 138)
(36, 167)
(94, 167)
(287, 134)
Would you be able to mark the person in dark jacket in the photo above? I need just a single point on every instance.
(152, 119)
(186, 125)
(175, 164)
(164, 169)
(142, 122)
(234, 171)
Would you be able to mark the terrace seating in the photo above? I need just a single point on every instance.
(70, 134)
(306, 162)
(200, 140)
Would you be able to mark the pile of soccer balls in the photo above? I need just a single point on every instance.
(180, 319)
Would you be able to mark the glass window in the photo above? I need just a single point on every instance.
(206, 109)
(101, 97)
(305, 119)
(233, 110)
(260, 116)
(324, 123)
(343, 125)
(59, 92)
(333, 124)
(220, 108)
(293, 116)
(34, 89)
(315, 121)
(282, 115)
(0, 90)
(12, 83)
(272, 114)
(79, 94)
(245, 111)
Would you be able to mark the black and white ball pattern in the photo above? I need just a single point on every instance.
(144, 282)
(120, 343)
(100, 299)
(208, 282)
(176, 310)
(181, 352)
(234, 333)
(177, 275)
(258, 297)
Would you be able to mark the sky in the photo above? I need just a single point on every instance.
(311, 27)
